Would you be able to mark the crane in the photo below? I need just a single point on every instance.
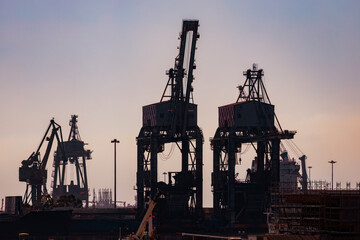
(174, 120)
(250, 120)
(146, 220)
(76, 156)
(33, 170)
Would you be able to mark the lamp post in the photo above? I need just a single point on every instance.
(310, 167)
(332, 173)
(114, 142)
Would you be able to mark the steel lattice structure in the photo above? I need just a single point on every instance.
(251, 120)
(173, 120)
(33, 170)
(75, 156)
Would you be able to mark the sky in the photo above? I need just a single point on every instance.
(104, 60)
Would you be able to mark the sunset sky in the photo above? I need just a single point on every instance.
(104, 60)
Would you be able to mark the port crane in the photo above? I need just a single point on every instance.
(33, 170)
(75, 156)
(250, 120)
(174, 120)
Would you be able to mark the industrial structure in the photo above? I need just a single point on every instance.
(33, 170)
(173, 120)
(335, 212)
(289, 172)
(74, 155)
(251, 119)
(104, 199)
(274, 195)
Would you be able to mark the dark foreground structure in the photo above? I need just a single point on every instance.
(333, 212)
(69, 223)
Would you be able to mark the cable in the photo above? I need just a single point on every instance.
(292, 149)
(246, 149)
(165, 157)
(296, 147)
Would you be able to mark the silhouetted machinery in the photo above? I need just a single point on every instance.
(75, 156)
(173, 120)
(33, 170)
(146, 221)
(250, 120)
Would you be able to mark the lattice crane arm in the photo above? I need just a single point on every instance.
(182, 74)
(54, 134)
(35, 156)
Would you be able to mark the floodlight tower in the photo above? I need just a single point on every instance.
(332, 162)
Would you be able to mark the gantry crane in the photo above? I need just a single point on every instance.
(250, 120)
(33, 170)
(174, 120)
(75, 156)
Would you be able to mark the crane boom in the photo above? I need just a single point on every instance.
(141, 230)
(182, 75)
(190, 26)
